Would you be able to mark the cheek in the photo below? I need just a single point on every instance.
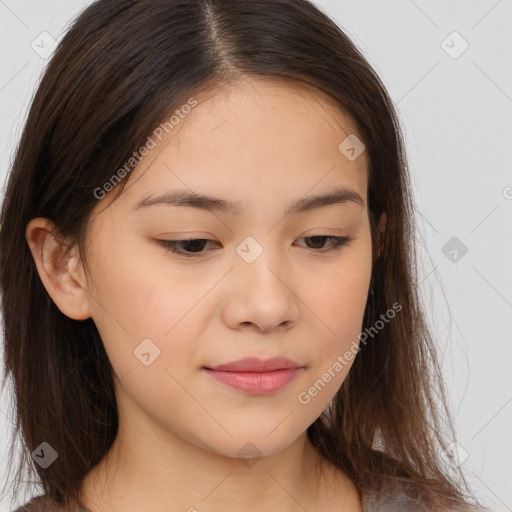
(121, 297)
(337, 300)
(340, 292)
(139, 296)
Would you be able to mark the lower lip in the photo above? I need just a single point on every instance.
(256, 383)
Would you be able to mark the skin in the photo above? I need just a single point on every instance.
(265, 144)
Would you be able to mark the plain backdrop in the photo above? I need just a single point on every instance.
(447, 66)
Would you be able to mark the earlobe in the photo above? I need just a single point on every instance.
(58, 268)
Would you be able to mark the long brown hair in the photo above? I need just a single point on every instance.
(118, 72)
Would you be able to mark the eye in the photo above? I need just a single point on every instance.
(336, 242)
(193, 247)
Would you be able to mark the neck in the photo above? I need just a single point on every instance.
(150, 468)
(146, 472)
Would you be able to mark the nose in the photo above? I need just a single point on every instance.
(261, 295)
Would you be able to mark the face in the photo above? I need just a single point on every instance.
(263, 279)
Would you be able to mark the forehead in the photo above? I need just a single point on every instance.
(288, 111)
(251, 139)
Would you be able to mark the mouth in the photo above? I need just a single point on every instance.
(255, 383)
(255, 376)
(255, 364)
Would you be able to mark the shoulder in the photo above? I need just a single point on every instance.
(44, 504)
(40, 504)
(391, 500)
(37, 504)
(402, 496)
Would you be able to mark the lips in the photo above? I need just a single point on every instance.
(256, 376)
(254, 364)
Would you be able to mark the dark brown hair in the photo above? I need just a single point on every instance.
(118, 72)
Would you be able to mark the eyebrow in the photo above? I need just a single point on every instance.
(215, 204)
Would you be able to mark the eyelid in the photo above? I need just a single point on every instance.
(337, 243)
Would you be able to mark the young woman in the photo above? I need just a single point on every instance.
(208, 277)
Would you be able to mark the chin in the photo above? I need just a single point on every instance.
(253, 445)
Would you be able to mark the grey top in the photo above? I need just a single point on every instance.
(396, 502)
(42, 504)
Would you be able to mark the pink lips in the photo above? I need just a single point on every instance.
(256, 376)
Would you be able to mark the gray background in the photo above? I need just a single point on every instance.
(456, 112)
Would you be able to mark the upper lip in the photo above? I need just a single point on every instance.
(255, 364)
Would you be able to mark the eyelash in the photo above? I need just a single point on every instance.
(172, 245)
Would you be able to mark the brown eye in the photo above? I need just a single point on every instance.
(192, 246)
(317, 242)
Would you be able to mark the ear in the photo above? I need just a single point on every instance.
(382, 231)
(59, 268)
